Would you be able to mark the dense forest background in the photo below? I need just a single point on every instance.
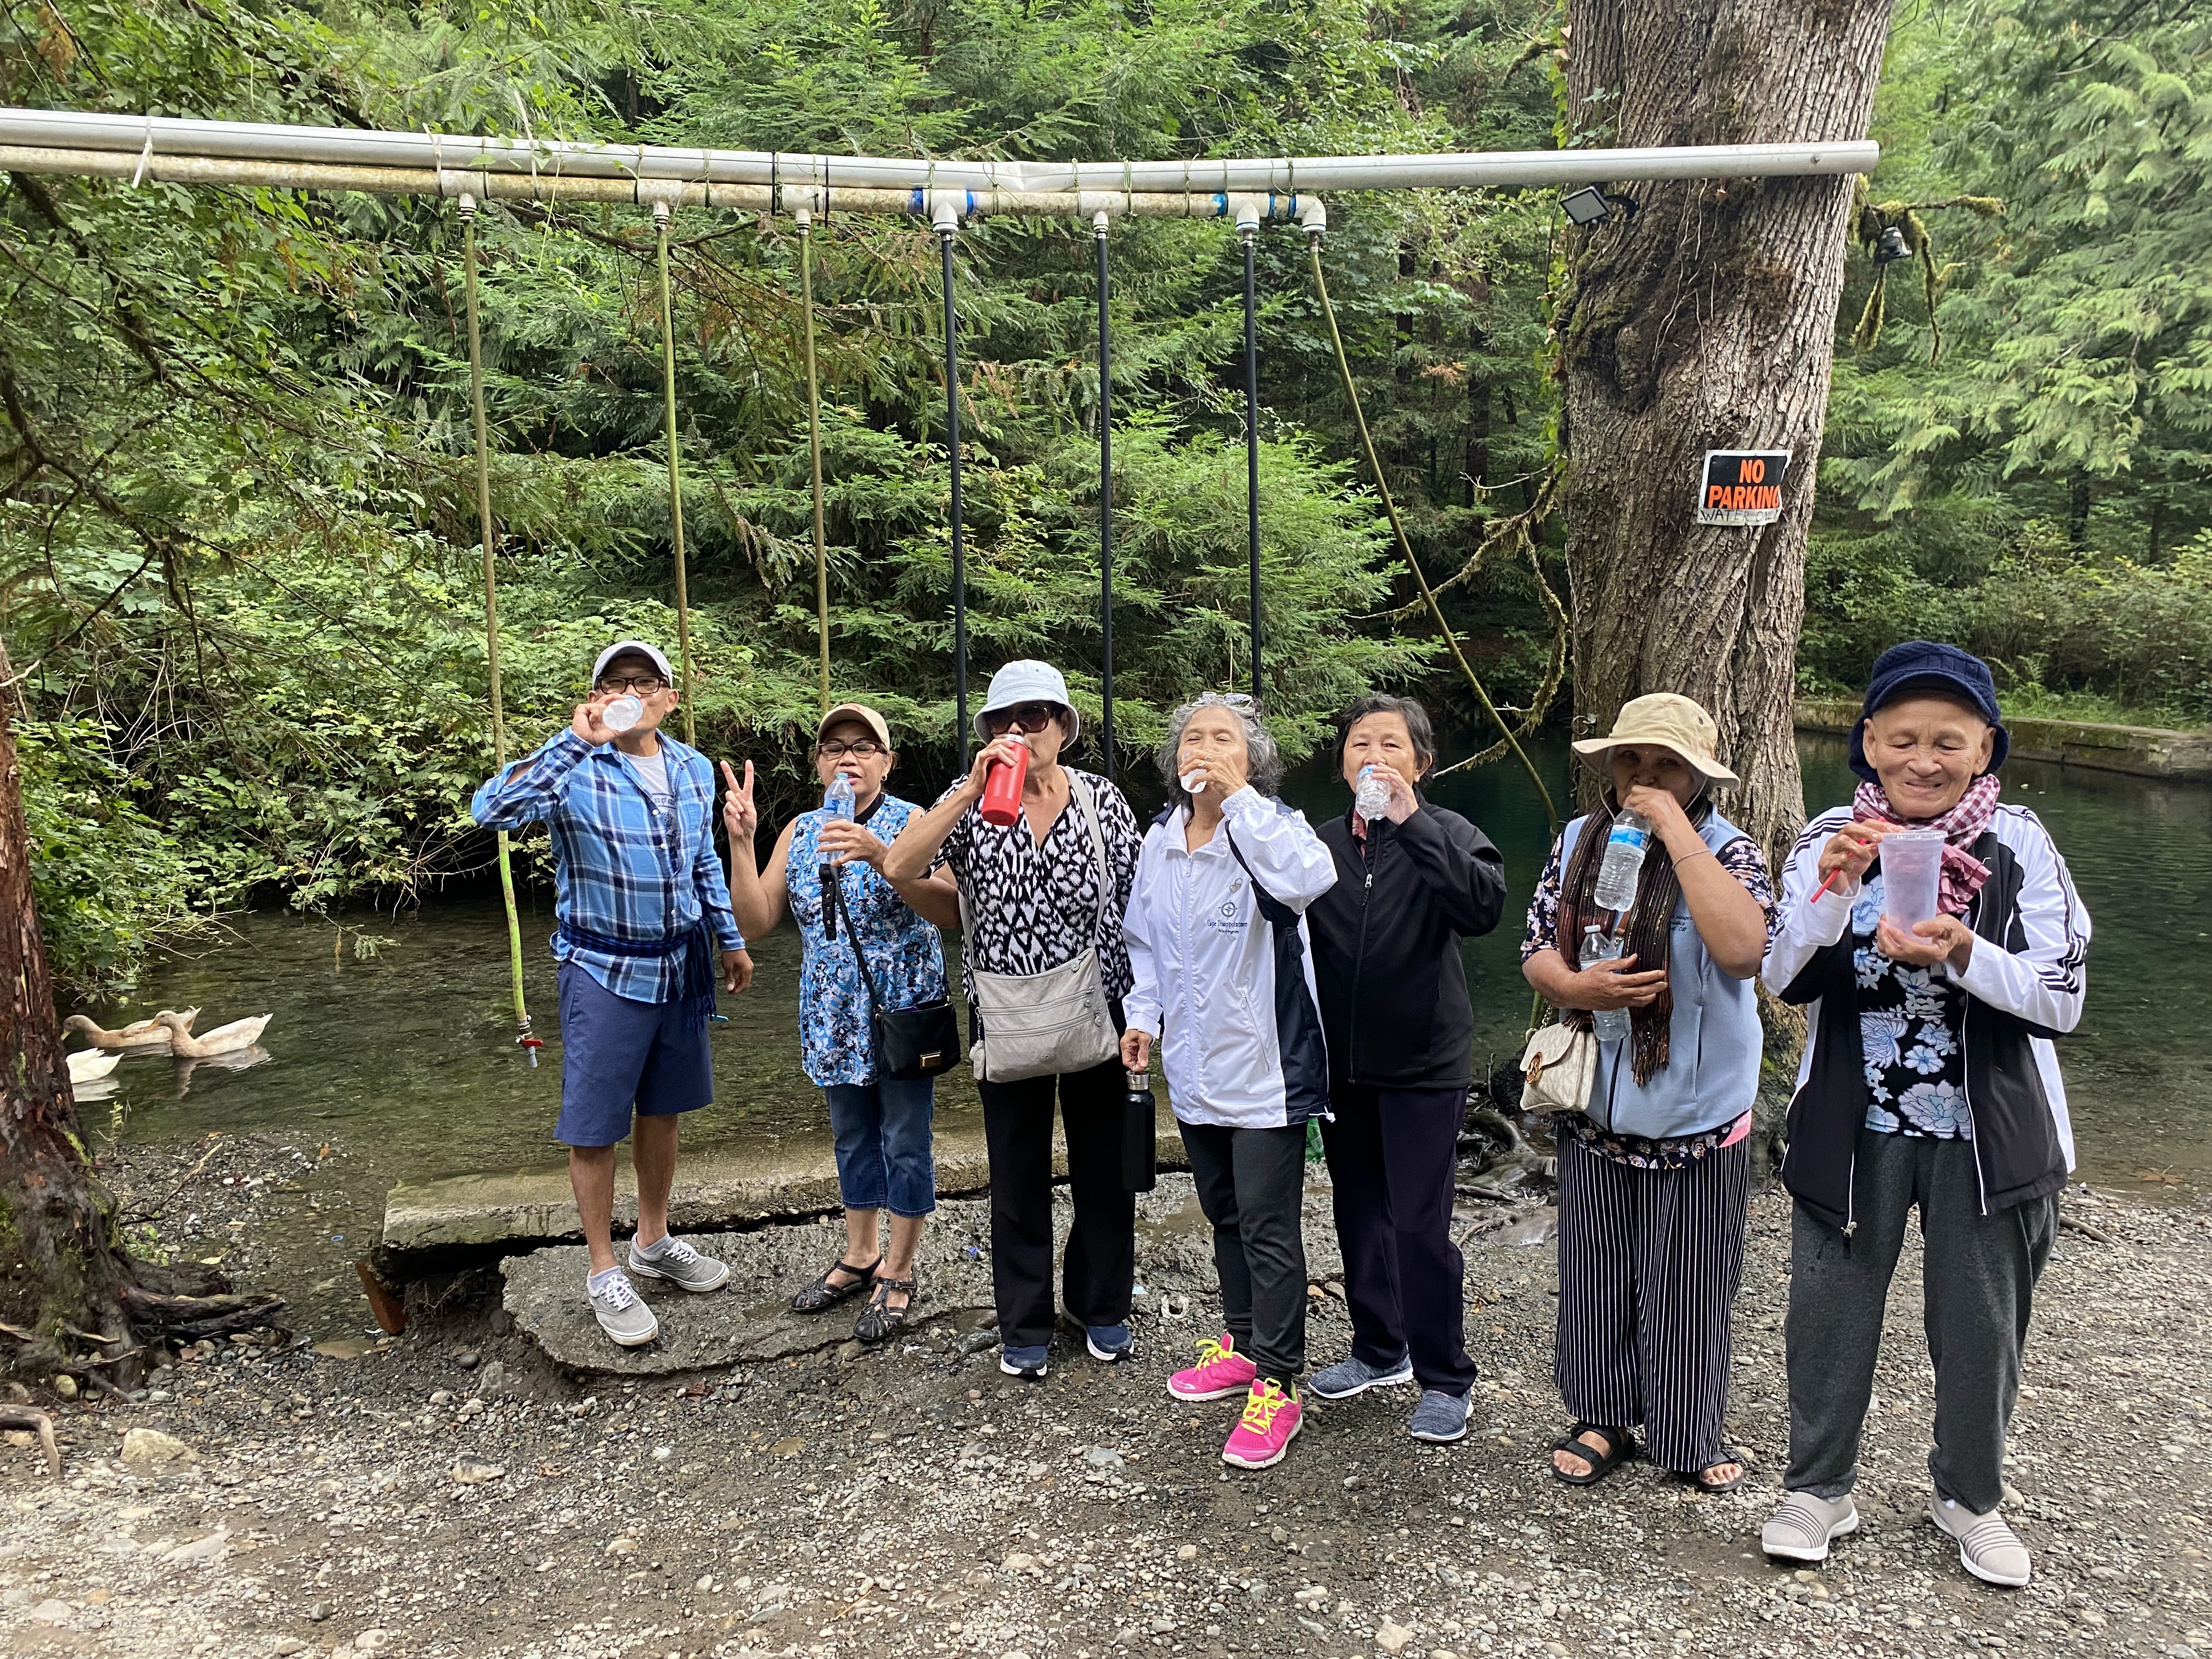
(238, 570)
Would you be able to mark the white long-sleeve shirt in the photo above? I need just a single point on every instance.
(1204, 960)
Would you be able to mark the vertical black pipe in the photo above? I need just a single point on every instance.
(1252, 449)
(1105, 509)
(959, 547)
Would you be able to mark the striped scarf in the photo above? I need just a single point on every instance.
(1962, 826)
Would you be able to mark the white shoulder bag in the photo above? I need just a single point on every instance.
(1558, 1069)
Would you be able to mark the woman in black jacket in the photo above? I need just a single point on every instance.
(1411, 884)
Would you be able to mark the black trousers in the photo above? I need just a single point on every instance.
(1100, 1264)
(1649, 1261)
(1251, 1185)
(1391, 1155)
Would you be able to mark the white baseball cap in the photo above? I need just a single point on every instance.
(1028, 680)
(634, 647)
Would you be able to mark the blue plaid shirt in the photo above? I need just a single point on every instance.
(623, 866)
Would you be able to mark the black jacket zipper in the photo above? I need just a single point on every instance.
(1371, 846)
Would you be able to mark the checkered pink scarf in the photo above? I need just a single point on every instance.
(1962, 826)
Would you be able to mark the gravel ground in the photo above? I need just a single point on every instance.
(450, 1492)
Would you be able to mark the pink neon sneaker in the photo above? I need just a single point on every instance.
(1272, 1420)
(1220, 1372)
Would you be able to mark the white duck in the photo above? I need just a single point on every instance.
(86, 1064)
(140, 1036)
(224, 1039)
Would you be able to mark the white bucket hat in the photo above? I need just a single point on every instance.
(1028, 681)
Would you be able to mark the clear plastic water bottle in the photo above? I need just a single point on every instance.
(1611, 1024)
(1372, 795)
(1624, 847)
(622, 714)
(837, 802)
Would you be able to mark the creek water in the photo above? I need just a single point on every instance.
(408, 1059)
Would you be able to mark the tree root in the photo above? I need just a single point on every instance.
(28, 1417)
(194, 1317)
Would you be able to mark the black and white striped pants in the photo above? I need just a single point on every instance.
(1648, 1264)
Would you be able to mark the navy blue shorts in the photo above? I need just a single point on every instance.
(616, 1054)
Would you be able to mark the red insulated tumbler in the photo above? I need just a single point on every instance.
(1002, 790)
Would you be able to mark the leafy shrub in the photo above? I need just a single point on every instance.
(106, 880)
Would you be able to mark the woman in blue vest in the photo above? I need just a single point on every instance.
(1654, 1175)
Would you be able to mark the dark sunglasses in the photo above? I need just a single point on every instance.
(1022, 717)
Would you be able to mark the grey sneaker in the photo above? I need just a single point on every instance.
(1354, 1376)
(1439, 1418)
(1805, 1523)
(1988, 1548)
(680, 1265)
(620, 1314)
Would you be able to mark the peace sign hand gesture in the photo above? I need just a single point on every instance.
(740, 817)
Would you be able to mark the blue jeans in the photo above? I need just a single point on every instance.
(882, 1130)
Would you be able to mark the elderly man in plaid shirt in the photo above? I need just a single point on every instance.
(642, 905)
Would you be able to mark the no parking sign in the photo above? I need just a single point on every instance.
(1741, 486)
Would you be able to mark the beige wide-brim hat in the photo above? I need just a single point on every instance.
(854, 711)
(1668, 721)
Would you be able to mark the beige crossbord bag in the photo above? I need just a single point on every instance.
(1040, 1025)
(1558, 1069)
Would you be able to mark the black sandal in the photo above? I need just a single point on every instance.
(880, 1318)
(823, 1294)
(1696, 1478)
(1618, 1449)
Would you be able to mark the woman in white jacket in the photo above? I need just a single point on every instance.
(1217, 945)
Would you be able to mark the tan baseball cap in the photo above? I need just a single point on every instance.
(855, 711)
(1665, 720)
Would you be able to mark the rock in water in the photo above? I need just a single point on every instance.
(151, 1452)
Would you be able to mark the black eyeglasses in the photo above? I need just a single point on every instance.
(862, 748)
(1022, 717)
(640, 684)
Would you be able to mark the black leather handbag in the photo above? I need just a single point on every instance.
(911, 1043)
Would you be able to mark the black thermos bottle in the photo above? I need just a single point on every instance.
(1139, 1137)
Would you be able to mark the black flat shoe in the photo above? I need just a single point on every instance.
(823, 1294)
(880, 1318)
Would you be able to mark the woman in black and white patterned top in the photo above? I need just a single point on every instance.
(1032, 890)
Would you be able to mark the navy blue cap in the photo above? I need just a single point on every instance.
(1926, 665)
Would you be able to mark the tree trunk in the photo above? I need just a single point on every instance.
(58, 1264)
(1706, 320)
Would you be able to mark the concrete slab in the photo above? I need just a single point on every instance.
(749, 1321)
(717, 1188)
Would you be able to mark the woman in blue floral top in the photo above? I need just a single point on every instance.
(882, 1125)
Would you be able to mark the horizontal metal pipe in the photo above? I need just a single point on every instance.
(553, 188)
(142, 137)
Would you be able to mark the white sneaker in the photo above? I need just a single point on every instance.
(621, 1315)
(1988, 1548)
(1805, 1523)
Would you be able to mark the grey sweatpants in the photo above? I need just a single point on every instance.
(1978, 1285)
